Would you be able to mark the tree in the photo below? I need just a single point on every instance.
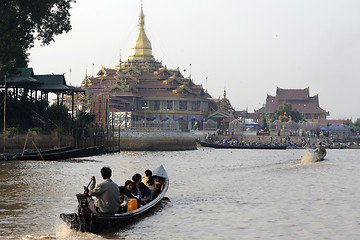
(348, 122)
(264, 123)
(357, 122)
(59, 115)
(287, 108)
(23, 21)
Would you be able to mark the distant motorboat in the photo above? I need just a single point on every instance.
(320, 156)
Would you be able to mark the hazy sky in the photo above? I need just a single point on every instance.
(249, 47)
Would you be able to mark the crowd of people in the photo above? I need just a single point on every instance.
(111, 199)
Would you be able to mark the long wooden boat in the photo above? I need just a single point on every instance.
(85, 221)
(243, 146)
(61, 149)
(62, 155)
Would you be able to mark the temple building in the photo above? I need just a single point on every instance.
(143, 88)
(300, 100)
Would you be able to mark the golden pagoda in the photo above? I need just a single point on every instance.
(141, 49)
(143, 88)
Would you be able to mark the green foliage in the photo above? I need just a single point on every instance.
(348, 122)
(23, 21)
(265, 125)
(24, 114)
(357, 122)
(12, 131)
(36, 129)
(287, 108)
(83, 120)
(59, 115)
(19, 112)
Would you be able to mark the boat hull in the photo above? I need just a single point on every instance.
(62, 155)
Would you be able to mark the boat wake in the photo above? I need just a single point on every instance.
(308, 157)
(63, 232)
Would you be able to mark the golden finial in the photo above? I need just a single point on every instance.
(141, 18)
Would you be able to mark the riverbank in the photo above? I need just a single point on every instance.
(131, 141)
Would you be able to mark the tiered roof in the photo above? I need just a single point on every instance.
(26, 78)
(155, 84)
(143, 76)
(300, 100)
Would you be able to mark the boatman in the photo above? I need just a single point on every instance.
(107, 195)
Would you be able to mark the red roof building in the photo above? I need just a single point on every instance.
(300, 100)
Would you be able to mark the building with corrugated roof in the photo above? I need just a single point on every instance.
(143, 88)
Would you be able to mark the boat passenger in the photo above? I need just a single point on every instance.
(149, 181)
(321, 149)
(141, 191)
(123, 200)
(128, 188)
(107, 195)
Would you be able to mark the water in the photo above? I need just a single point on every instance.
(214, 194)
(308, 157)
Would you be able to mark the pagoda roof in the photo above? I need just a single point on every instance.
(311, 105)
(292, 94)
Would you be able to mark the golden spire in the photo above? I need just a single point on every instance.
(141, 18)
(141, 49)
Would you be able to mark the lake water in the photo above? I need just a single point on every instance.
(213, 194)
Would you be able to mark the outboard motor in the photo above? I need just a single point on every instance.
(84, 212)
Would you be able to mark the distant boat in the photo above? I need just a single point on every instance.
(243, 146)
(61, 154)
(320, 156)
(85, 221)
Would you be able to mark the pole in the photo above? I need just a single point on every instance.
(5, 92)
(27, 136)
(145, 107)
(119, 135)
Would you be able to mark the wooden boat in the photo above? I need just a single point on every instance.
(62, 149)
(63, 154)
(243, 146)
(85, 221)
(320, 156)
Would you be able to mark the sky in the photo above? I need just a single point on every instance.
(246, 47)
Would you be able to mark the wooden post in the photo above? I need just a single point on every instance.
(27, 136)
(38, 150)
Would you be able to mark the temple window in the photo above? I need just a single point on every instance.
(154, 105)
(168, 105)
(183, 105)
(195, 106)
